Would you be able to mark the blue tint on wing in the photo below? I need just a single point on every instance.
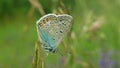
(45, 36)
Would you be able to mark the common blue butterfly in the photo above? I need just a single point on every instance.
(51, 29)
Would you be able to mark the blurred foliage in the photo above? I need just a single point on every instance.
(9, 6)
(94, 40)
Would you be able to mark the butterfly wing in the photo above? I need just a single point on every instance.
(61, 27)
(44, 27)
(52, 28)
(47, 40)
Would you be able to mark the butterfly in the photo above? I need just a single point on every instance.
(51, 30)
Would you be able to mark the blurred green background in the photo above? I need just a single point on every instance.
(93, 42)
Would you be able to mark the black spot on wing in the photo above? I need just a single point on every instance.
(61, 31)
(60, 20)
(47, 19)
(64, 24)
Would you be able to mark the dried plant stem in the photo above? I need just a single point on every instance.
(38, 62)
(37, 5)
(42, 64)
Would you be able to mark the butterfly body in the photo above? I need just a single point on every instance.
(51, 29)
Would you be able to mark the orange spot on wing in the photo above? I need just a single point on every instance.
(44, 21)
(47, 19)
(41, 24)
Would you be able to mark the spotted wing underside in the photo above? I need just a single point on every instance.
(52, 28)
